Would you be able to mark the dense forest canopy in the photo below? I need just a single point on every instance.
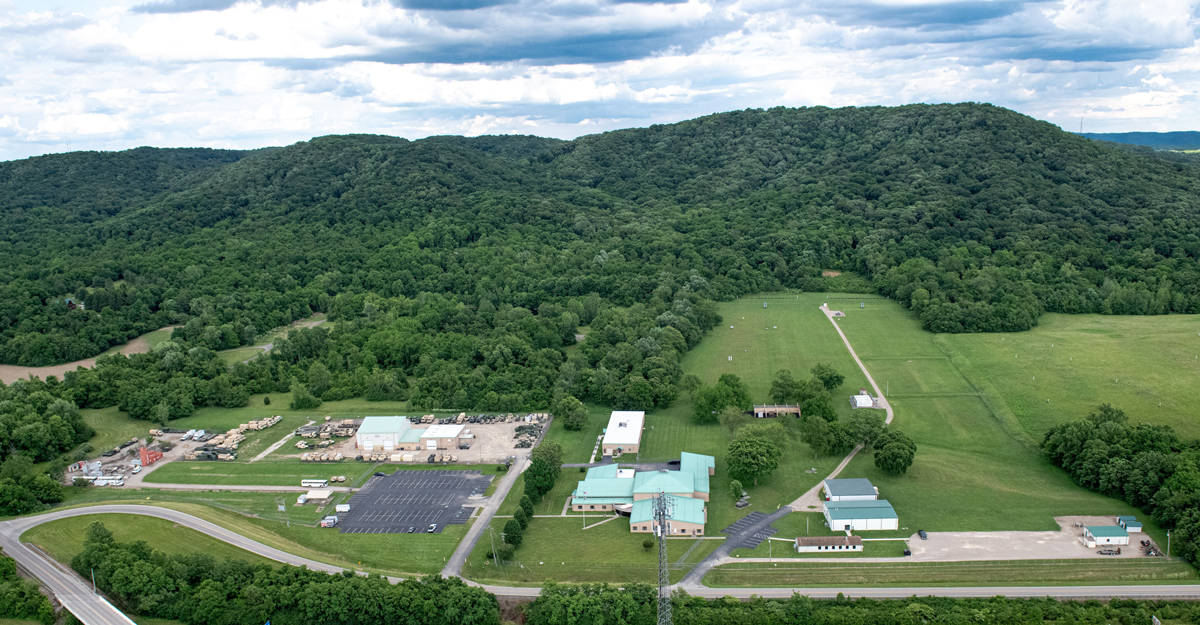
(976, 217)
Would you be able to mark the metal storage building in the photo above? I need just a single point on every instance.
(861, 515)
(1105, 535)
(381, 433)
(858, 489)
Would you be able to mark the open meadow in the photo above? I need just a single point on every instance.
(1147, 366)
(976, 469)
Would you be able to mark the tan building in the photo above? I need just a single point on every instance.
(624, 432)
(687, 518)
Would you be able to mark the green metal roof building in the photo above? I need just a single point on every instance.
(874, 514)
(687, 516)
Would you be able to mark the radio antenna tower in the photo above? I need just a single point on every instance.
(662, 512)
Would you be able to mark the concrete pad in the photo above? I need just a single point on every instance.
(1066, 543)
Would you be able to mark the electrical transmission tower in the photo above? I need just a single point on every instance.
(662, 512)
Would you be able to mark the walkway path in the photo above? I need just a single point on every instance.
(812, 499)
(455, 564)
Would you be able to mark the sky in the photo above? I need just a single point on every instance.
(113, 74)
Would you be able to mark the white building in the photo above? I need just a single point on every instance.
(861, 515)
(1105, 535)
(624, 432)
(862, 401)
(381, 433)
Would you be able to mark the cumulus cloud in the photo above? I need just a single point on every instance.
(245, 73)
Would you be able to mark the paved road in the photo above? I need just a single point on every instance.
(93, 610)
(693, 579)
(455, 564)
(77, 596)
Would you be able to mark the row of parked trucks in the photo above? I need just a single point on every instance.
(316, 457)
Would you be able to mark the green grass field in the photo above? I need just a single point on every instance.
(261, 473)
(560, 549)
(976, 469)
(1017, 573)
(63, 539)
(260, 505)
(392, 554)
(113, 427)
(1080, 361)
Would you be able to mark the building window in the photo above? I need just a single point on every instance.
(591, 507)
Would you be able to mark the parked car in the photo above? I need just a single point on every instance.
(137, 470)
(922, 534)
(380, 474)
(411, 529)
(432, 528)
(907, 552)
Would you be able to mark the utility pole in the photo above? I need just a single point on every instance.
(662, 511)
(492, 533)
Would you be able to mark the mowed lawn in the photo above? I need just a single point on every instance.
(392, 554)
(972, 471)
(262, 473)
(560, 549)
(1079, 361)
(64, 538)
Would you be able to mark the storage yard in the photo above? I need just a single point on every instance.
(473, 439)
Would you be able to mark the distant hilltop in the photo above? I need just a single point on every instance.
(1184, 140)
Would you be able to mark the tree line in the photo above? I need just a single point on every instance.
(489, 357)
(201, 590)
(975, 217)
(1145, 465)
(636, 604)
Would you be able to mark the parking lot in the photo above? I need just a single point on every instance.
(1062, 544)
(392, 504)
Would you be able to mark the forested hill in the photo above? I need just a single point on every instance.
(977, 217)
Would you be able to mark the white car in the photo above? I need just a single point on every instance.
(117, 483)
(137, 470)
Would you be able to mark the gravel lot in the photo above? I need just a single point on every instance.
(1066, 543)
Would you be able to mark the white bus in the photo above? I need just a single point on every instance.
(314, 483)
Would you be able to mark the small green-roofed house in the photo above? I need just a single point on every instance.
(687, 517)
(875, 514)
(1105, 535)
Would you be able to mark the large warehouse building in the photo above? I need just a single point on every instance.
(381, 433)
(397, 434)
(624, 432)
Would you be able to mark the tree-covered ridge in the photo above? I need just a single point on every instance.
(977, 217)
